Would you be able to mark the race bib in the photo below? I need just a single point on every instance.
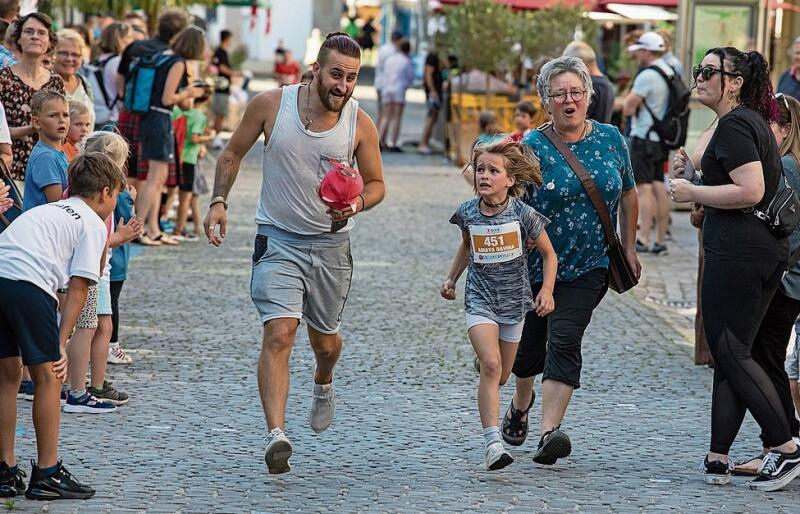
(495, 243)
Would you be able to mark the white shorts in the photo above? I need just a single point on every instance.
(508, 333)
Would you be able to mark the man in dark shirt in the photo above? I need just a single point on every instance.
(225, 73)
(789, 83)
(433, 80)
(170, 23)
(602, 106)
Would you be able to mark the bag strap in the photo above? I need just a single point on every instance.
(586, 181)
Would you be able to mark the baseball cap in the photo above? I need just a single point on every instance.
(649, 41)
(340, 186)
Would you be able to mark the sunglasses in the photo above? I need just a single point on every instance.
(709, 71)
(785, 101)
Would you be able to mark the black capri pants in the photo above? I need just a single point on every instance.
(551, 345)
(736, 296)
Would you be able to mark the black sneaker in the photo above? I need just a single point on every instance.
(11, 483)
(716, 472)
(641, 247)
(553, 445)
(59, 486)
(777, 470)
(658, 248)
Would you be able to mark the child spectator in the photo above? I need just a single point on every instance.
(490, 129)
(80, 124)
(93, 333)
(197, 134)
(115, 146)
(523, 119)
(46, 171)
(69, 246)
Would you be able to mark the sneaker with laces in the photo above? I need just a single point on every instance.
(553, 445)
(323, 406)
(117, 355)
(108, 394)
(777, 470)
(26, 390)
(61, 485)
(87, 403)
(496, 457)
(12, 481)
(716, 472)
(278, 452)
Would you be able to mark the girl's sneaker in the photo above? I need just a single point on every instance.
(497, 457)
(109, 394)
(88, 404)
(117, 355)
(716, 472)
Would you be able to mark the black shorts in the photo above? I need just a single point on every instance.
(552, 345)
(186, 183)
(647, 159)
(28, 325)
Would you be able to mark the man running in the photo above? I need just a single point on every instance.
(301, 264)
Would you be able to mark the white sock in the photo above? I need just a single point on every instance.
(491, 435)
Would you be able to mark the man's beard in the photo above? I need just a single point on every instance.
(326, 101)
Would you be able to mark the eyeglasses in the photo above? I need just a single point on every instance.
(68, 55)
(709, 71)
(576, 95)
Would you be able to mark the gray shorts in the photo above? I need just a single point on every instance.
(793, 361)
(219, 105)
(301, 277)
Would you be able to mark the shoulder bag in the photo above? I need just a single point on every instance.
(620, 274)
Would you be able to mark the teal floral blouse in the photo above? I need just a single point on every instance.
(575, 229)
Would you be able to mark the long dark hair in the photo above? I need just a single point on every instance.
(753, 68)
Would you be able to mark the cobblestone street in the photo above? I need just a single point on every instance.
(406, 436)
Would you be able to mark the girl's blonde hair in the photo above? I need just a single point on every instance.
(520, 161)
(109, 143)
(77, 108)
(789, 116)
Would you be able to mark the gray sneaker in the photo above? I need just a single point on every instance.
(323, 406)
(278, 452)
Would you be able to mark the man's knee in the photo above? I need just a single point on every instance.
(279, 335)
(43, 375)
(10, 370)
(326, 345)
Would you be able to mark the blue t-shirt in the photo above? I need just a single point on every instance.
(46, 166)
(121, 254)
(575, 229)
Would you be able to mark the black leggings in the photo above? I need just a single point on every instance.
(769, 350)
(116, 289)
(735, 296)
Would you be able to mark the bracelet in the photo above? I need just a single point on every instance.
(363, 202)
(219, 199)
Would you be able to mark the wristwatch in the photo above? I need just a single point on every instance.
(219, 199)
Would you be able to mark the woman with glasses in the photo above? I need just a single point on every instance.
(551, 345)
(69, 53)
(772, 339)
(34, 37)
(744, 261)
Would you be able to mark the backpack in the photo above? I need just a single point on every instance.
(103, 103)
(142, 81)
(673, 127)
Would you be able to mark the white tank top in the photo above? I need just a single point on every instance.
(295, 160)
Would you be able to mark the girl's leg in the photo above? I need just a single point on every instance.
(196, 218)
(78, 351)
(485, 341)
(99, 350)
(508, 351)
(384, 125)
(397, 119)
(147, 203)
(185, 199)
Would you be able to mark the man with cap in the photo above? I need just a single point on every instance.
(302, 266)
(650, 90)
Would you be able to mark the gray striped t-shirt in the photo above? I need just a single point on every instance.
(497, 278)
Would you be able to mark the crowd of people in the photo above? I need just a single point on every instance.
(101, 133)
(571, 190)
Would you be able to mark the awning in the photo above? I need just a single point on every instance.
(642, 12)
(660, 3)
(529, 4)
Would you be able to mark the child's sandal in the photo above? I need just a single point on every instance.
(515, 430)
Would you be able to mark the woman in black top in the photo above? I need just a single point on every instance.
(744, 261)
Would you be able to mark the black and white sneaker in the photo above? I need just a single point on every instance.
(553, 445)
(777, 470)
(716, 472)
(11, 482)
(61, 485)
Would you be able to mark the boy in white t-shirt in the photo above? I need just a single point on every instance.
(46, 248)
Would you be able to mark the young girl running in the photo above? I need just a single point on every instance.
(497, 231)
